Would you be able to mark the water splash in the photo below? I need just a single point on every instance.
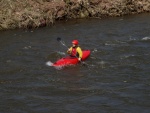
(61, 53)
(146, 38)
(95, 50)
(59, 67)
(49, 63)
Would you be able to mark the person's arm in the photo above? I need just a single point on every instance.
(80, 53)
(69, 50)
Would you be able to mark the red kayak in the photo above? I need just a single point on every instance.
(71, 60)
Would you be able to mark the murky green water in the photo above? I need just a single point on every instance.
(116, 79)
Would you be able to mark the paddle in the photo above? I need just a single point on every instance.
(63, 43)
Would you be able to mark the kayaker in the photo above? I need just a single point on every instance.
(75, 50)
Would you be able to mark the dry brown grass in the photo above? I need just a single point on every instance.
(24, 14)
(37, 13)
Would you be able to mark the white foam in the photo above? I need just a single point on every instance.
(49, 63)
(59, 67)
(146, 38)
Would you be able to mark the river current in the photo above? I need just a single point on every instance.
(115, 79)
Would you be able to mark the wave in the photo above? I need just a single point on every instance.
(146, 38)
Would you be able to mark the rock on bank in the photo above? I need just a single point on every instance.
(37, 13)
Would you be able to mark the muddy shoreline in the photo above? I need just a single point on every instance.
(39, 13)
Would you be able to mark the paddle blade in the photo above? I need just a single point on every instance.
(58, 39)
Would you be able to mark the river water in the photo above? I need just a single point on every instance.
(115, 79)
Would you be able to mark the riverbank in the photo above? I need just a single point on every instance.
(39, 13)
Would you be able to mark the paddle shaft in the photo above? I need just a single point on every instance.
(59, 39)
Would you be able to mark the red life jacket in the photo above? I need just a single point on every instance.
(74, 52)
